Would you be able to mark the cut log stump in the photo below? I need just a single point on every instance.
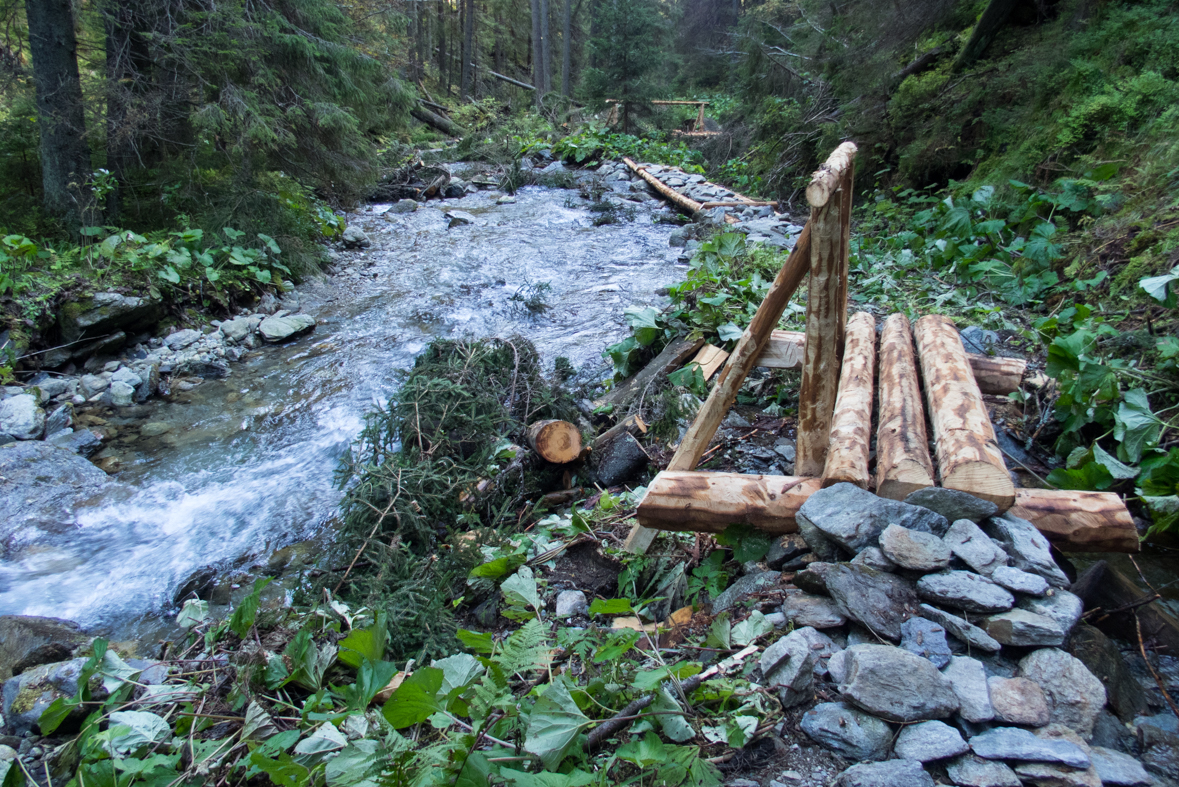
(903, 464)
(851, 425)
(558, 442)
(968, 454)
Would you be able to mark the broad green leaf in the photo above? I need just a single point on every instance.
(500, 567)
(414, 701)
(520, 589)
(578, 778)
(620, 644)
(476, 771)
(748, 544)
(350, 768)
(554, 725)
(1135, 425)
(169, 274)
(283, 771)
(612, 606)
(721, 631)
(326, 738)
(748, 630)
(242, 619)
(673, 724)
(641, 316)
(194, 612)
(1156, 286)
(367, 643)
(258, 725)
(131, 731)
(645, 752)
(729, 332)
(1116, 469)
(1088, 476)
(57, 712)
(457, 671)
(478, 642)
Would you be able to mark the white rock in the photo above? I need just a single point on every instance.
(570, 603)
(21, 417)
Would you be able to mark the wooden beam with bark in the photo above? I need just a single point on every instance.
(851, 424)
(968, 454)
(903, 464)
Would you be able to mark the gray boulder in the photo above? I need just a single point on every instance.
(458, 218)
(93, 384)
(968, 679)
(27, 641)
(22, 418)
(181, 339)
(813, 578)
(1075, 695)
(1119, 769)
(880, 601)
(277, 329)
(1028, 548)
(822, 646)
(1018, 701)
(952, 504)
(1013, 743)
(104, 313)
(961, 628)
(1044, 774)
(121, 394)
(355, 238)
(893, 773)
(237, 329)
(1060, 605)
(872, 557)
(929, 741)
(976, 549)
(1018, 581)
(784, 549)
(964, 590)
(83, 442)
(854, 518)
(789, 666)
(817, 541)
(896, 685)
(926, 639)
(570, 603)
(404, 206)
(28, 695)
(803, 609)
(847, 731)
(913, 549)
(973, 771)
(1024, 629)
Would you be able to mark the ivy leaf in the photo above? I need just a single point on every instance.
(414, 701)
(555, 723)
(748, 630)
(1136, 427)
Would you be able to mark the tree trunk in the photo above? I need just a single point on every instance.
(985, 30)
(441, 24)
(468, 61)
(65, 156)
(546, 53)
(567, 51)
(537, 55)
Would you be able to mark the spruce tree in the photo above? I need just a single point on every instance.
(627, 51)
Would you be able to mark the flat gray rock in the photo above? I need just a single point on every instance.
(872, 557)
(178, 340)
(968, 678)
(972, 771)
(743, 587)
(1018, 701)
(405, 206)
(894, 773)
(1075, 695)
(1018, 581)
(22, 417)
(824, 547)
(878, 600)
(803, 609)
(789, 666)
(822, 646)
(976, 549)
(1019, 745)
(237, 329)
(926, 639)
(1119, 769)
(1024, 629)
(1060, 605)
(1027, 547)
(277, 329)
(29, 694)
(913, 549)
(896, 685)
(929, 741)
(813, 578)
(964, 590)
(847, 731)
(854, 518)
(952, 504)
(961, 628)
(1046, 774)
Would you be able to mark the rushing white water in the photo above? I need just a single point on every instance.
(248, 464)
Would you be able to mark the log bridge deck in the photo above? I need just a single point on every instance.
(852, 378)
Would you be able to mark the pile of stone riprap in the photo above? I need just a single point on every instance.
(938, 629)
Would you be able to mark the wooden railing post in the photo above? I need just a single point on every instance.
(830, 196)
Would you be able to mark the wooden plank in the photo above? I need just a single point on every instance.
(710, 502)
(731, 378)
(1079, 521)
(709, 359)
(968, 454)
(995, 376)
(851, 424)
(673, 356)
(903, 464)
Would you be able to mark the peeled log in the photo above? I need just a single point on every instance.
(710, 502)
(556, 441)
(851, 425)
(687, 203)
(903, 464)
(968, 455)
(829, 176)
(1078, 521)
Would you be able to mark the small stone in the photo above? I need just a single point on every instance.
(570, 603)
(913, 549)
(896, 685)
(926, 639)
(972, 771)
(1060, 605)
(789, 666)
(122, 395)
(1014, 743)
(968, 678)
(1119, 769)
(785, 548)
(820, 644)
(976, 549)
(459, 218)
(847, 731)
(355, 238)
(92, 384)
(872, 557)
(893, 773)
(1075, 696)
(854, 518)
(1021, 628)
(1027, 547)
(1018, 701)
(929, 741)
(813, 578)
(1052, 775)
(404, 206)
(277, 329)
(154, 429)
(22, 418)
(961, 628)
(180, 339)
(803, 609)
(126, 375)
(953, 504)
(878, 600)
(1018, 581)
(964, 590)
(236, 330)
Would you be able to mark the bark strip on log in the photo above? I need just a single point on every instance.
(903, 464)
(750, 204)
(556, 441)
(709, 502)
(968, 454)
(851, 424)
(672, 358)
(741, 361)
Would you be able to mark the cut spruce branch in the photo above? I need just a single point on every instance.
(555, 441)
(851, 425)
(903, 464)
(968, 454)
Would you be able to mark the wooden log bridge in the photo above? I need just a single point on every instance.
(917, 370)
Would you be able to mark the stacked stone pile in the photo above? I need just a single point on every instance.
(936, 628)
